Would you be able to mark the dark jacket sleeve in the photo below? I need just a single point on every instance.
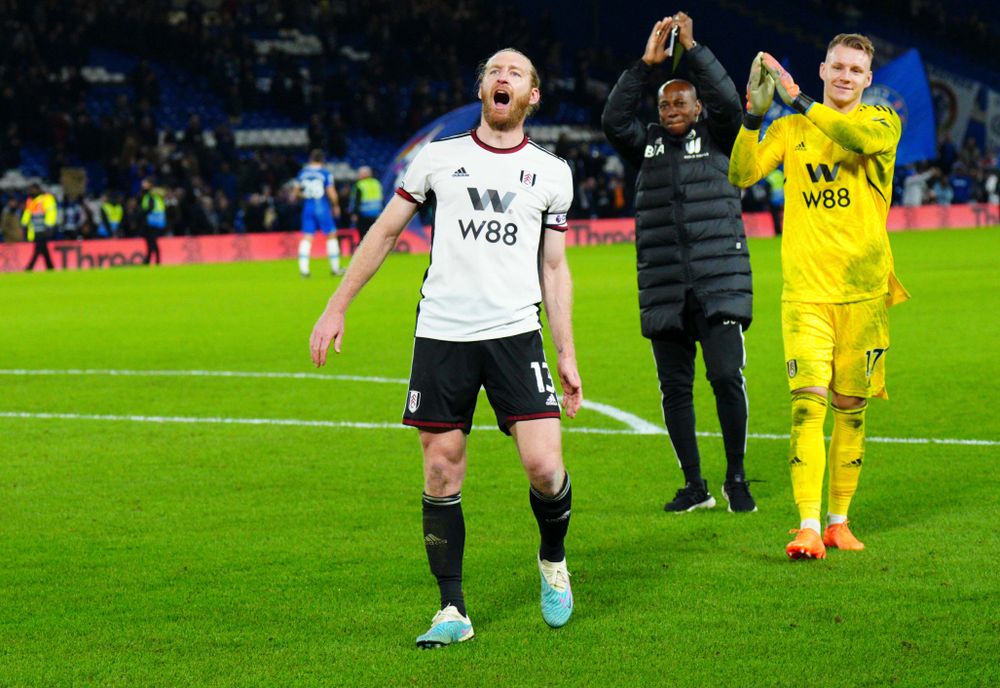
(724, 109)
(620, 121)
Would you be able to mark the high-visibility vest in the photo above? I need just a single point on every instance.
(40, 214)
(776, 180)
(155, 209)
(369, 197)
(114, 212)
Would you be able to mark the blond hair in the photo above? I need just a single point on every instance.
(853, 40)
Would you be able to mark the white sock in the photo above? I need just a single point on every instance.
(305, 248)
(333, 251)
(834, 519)
(810, 523)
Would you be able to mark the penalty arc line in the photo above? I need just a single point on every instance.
(636, 425)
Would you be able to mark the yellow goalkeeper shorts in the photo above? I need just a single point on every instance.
(839, 346)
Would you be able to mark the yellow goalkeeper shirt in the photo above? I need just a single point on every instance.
(838, 186)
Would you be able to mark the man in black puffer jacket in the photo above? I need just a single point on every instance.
(693, 263)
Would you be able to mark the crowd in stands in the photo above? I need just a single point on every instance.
(969, 28)
(958, 175)
(970, 24)
(370, 57)
(370, 72)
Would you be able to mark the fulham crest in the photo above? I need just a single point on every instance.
(413, 402)
(528, 178)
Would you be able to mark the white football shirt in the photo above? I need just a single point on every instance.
(492, 204)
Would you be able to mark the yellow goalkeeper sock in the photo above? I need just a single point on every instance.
(847, 453)
(807, 453)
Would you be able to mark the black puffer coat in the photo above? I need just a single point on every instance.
(689, 227)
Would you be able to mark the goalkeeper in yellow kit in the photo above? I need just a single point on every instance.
(837, 267)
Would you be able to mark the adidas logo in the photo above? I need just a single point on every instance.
(801, 147)
(796, 461)
(552, 401)
(432, 540)
(460, 172)
(564, 516)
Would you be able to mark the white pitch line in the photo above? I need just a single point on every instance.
(203, 373)
(259, 421)
(297, 422)
(636, 425)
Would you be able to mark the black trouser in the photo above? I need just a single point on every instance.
(152, 247)
(41, 250)
(777, 213)
(722, 349)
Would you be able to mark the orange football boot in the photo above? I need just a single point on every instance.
(840, 536)
(806, 545)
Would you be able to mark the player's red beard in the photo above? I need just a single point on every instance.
(510, 119)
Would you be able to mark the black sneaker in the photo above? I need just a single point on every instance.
(737, 493)
(690, 497)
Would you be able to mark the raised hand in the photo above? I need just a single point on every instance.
(788, 90)
(656, 44)
(760, 88)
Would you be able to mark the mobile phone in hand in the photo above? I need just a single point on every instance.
(671, 40)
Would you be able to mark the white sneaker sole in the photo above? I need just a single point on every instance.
(729, 505)
(707, 504)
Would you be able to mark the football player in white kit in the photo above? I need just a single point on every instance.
(497, 252)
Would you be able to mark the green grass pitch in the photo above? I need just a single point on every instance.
(188, 553)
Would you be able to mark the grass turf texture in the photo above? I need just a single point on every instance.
(218, 555)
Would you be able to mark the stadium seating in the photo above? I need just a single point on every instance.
(794, 29)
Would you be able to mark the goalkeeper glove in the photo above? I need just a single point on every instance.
(760, 88)
(787, 89)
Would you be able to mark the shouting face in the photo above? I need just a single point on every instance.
(508, 89)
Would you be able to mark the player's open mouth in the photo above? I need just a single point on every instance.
(501, 98)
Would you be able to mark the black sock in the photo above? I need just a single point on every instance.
(552, 514)
(444, 540)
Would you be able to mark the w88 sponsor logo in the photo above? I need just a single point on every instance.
(829, 197)
(492, 231)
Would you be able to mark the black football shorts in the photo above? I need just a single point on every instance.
(446, 377)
